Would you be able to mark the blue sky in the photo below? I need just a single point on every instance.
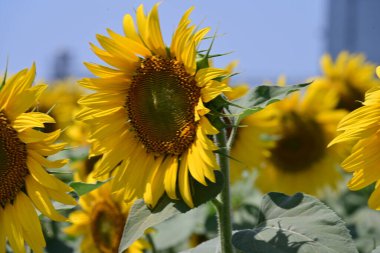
(267, 37)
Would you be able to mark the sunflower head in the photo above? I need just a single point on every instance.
(160, 105)
(149, 110)
(296, 158)
(350, 76)
(25, 183)
(100, 222)
(60, 102)
(360, 130)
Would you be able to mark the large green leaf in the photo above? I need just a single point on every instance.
(377, 250)
(295, 224)
(141, 218)
(365, 226)
(189, 223)
(261, 96)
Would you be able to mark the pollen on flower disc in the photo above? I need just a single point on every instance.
(160, 105)
(13, 166)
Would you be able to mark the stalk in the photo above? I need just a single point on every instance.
(223, 206)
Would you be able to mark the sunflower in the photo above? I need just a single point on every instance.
(148, 112)
(101, 222)
(60, 101)
(350, 76)
(361, 127)
(296, 158)
(24, 182)
(84, 167)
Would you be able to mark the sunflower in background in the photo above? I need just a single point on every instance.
(249, 135)
(350, 76)
(60, 102)
(100, 222)
(361, 127)
(297, 159)
(82, 168)
(148, 113)
(25, 183)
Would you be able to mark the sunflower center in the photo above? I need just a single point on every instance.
(302, 144)
(160, 105)
(13, 168)
(107, 226)
(349, 99)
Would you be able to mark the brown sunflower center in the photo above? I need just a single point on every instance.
(349, 99)
(13, 167)
(301, 144)
(107, 225)
(160, 105)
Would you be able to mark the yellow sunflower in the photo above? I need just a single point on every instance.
(296, 158)
(24, 182)
(101, 223)
(84, 167)
(362, 127)
(350, 76)
(148, 113)
(60, 101)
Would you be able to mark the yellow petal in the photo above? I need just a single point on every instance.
(2, 232)
(13, 229)
(31, 120)
(170, 181)
(130, 28)
(31, 224)
(184, 183)
(40, 198)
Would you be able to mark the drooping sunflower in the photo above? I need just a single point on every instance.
(350, 76)
(25, 183)
(60, 101)
(148, 113)
(100, 222)
(297, 159)
(362, 128)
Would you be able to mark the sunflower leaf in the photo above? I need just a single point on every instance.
(82, 188)
(261, 96)
(141, 218)
(5, 76)
(299, 223)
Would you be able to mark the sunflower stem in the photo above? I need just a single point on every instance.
(223, 207)
(151, 242)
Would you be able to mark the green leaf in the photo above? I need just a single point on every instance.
(188, 222)
(210, 246)
(141, 218)
(5, 77)
(261, 96)
(82, 188)
(298, 224)
(365, 226)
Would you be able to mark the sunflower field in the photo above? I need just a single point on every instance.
(158, 149)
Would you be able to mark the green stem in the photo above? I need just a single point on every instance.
(224, 206)
(151, 242)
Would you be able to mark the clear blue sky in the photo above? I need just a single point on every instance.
(268, 37)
